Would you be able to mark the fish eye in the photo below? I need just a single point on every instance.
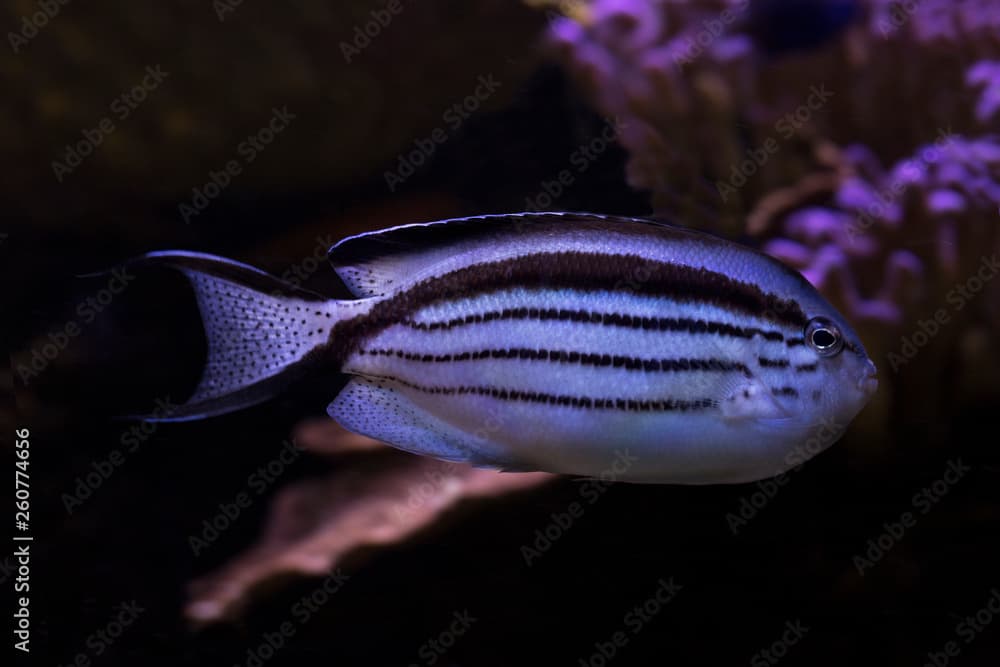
(823, 336)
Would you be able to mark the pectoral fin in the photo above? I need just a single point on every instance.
(750, 398)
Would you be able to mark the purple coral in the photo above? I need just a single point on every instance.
(986, 74)
(699, 99)
(889, 238)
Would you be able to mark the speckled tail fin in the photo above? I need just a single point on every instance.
(260, 332)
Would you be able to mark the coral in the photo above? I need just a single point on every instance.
(986, 74)
(376, 497)
(709, 114)
(886, 240)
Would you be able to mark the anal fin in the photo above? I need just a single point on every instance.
(379, 410)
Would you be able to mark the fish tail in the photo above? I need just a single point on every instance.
(262, 333)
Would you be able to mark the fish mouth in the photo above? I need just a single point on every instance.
(868, 383)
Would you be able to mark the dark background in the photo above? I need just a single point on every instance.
(324, 176)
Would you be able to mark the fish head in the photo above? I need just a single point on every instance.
(828, 380)
(845, 377)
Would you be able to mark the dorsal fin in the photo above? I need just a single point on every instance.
(373, 263)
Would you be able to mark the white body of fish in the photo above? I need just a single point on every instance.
(569, 343)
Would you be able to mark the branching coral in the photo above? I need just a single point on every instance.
(376, 497)
(891, 239)
(708, 114)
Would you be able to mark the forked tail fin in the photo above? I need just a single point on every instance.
(262, 332)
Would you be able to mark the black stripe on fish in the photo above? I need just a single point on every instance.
(570, 357)
(785, 391)
(806, 368)
(682, 324)
(567, 270)
(772, 363)
(584, 402)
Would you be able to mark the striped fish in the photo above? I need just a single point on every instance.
(559, 342)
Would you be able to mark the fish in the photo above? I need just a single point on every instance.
(569, 343)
